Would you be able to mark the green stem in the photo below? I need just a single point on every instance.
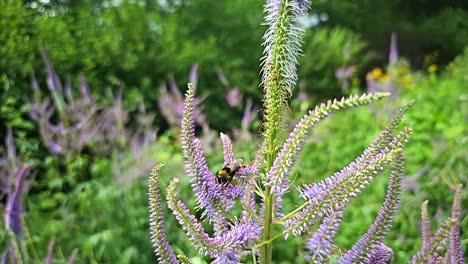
(267, 247)
(292, 214)
(266, 242)
(252, 213)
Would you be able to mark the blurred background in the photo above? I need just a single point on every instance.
(91, 94)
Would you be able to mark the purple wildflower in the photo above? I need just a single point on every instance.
(320, 244)
(11, 149)
(53, 81)
(337, 190)
(234, 97)
(158, 233)
(455, 248)
(210, 196)
(171, 105)
(236, 237)
(249, 114)
(447, 235)
(50, 251)
(363, 249)
(277, 177)
(227, 258)
(84, 88)
(14, 206)
(79, 120)
(227, 149)
(381, 254)
(425, 224)
(393, 54)
(193, 78)
(34, 85)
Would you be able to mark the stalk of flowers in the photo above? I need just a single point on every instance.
(267, 178)
(76, 123)
(13, 173)
(81, 121)
(446, 243)
(171, 102)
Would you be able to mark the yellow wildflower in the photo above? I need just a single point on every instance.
(377, 73)
(432, 68)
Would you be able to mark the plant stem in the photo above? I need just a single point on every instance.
(267, 247)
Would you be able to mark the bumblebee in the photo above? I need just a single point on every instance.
(227, 173)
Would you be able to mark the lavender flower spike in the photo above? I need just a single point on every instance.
(227, 149)
(237, 237)
(393, 54)
(446, 235)
(158, 234)
(455, 248)
(278, 176)
(320, 244)
(13, 221)
(425, 224)
(210, 196)
(362, 251)
(381, 255)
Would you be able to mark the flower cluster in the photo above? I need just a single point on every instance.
(13, 182)
(259, 186)
(79, 120)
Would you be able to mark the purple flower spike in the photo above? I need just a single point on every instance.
(278, 176)
(320, 244)
(35, 84)
(53, 81)
(425, 224)
(455, 248)
(381, 255)
(393, 54)
(158, 232)
(15, 204)
(249, 114)
(227, 258)
(227, 149)
(210, 196)
(234, 97)
(193, 79)
(238, 235)
(9, 142)
(84, 88)
(362, 251)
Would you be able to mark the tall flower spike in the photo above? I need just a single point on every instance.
(208, 194)
(278, 176)
(381, 254)
(337, 190)
(455, 248)
(281, 41)
(362, 251)
(227, 149)
(440, 238)
(425, 224)
(14, 206)
(377, 146)
(161, 247)
(320, 244)
(445, 234)
(233, 239)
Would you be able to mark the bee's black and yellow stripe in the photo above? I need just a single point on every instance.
(225, 175)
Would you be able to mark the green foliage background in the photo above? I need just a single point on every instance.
(139, 44)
